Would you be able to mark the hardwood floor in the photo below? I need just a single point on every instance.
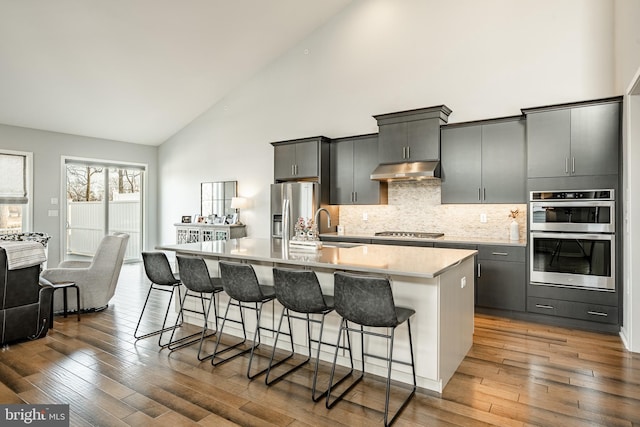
(516, 374)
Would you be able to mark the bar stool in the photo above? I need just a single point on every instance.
(194, 275)
(241, 284)
(158, 271)
(368, 301)
(299, 292)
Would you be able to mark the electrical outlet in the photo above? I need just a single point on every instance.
(483, 218)
(53, 212)
(365, 216)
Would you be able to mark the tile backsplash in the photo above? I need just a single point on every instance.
(415, 206)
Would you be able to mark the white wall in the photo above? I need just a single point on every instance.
(627, 46)
(482, 59)
(49, 147)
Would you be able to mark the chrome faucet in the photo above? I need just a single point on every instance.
(317, 218)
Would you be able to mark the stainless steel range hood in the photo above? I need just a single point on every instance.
(412, 171)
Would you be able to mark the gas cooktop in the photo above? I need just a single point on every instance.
(410, 234)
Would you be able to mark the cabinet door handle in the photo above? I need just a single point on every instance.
(566, 165)
(484, 193)
(478, 269)
(355, 196)
(598, 313)
(548, 307)
(500, 253)
(479, 189)
(573, 165)
(408, 152)
(296, 169)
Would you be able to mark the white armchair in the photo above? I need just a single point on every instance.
(96, 279)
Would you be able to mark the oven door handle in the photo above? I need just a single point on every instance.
(573, 236)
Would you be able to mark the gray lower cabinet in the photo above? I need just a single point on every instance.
(352, 161)
(580, 304)
(484, 162)
(501, 277)
(574, 140)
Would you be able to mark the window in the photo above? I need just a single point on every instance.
(15, 191)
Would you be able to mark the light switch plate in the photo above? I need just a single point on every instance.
(483, 218)
(53, 212)
(54, 200)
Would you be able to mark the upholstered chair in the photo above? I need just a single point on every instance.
(96, 279)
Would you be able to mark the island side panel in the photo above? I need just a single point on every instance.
(456, 318)
(422, 295)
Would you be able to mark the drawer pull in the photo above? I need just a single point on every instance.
(500, 253)
(548, 307)
(598, 313)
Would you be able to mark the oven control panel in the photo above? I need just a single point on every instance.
(573, 195)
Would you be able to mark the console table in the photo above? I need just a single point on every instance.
(192, 233)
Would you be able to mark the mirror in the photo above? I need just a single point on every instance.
(215, 198)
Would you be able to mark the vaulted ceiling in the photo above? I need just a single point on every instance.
(138, 70)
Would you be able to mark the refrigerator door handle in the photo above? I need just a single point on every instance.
(286, 217)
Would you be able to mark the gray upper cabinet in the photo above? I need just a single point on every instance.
(411, 136)
(352, 161)
(298, 159)
(484, 162)
(574, 140)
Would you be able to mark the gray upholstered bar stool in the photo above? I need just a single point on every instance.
(158, 271)
(245, 292)
(300, 293)
(368, 301)
(195, 276)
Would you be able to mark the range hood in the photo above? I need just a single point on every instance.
(412, 171)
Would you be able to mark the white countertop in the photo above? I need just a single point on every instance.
(444, 239)
(392, 260)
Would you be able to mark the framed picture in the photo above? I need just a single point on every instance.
(232, 218)
(219, 220)
(200, 219)
(186, 219)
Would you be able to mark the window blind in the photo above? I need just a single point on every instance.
(13, 184)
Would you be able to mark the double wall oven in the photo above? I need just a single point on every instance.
(572, 239)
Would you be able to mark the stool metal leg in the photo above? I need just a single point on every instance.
(344, 326)
(285, 312)
(217, 352)
(163, 328)
(256, 337)
(413, 369)
(201, 336)
(315, 370)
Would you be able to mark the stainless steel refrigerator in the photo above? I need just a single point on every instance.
(290, 201)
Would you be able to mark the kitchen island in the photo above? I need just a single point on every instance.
(437, 283)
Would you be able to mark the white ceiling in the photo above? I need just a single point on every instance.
(138, 70)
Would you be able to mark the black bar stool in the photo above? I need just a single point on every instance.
(241, 284)
(368, 301)
(194, 275)
(158, 271)
(299, 292)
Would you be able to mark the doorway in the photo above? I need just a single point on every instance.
(102, 198)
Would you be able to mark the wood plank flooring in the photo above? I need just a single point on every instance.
(516, 374)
